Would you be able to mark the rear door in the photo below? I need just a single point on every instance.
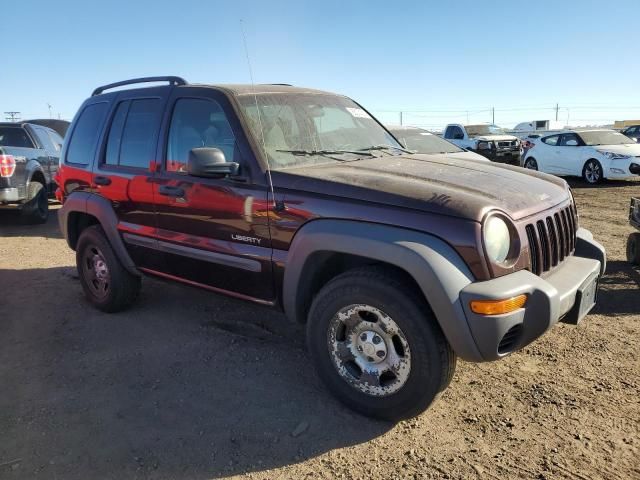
(124, 172)
(214, 231)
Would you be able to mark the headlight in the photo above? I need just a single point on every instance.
(614, 156)
(484, 146)
(497, 239)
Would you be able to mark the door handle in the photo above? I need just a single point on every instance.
(99, 180)
(170, 191)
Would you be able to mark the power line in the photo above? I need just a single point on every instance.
(12, 116)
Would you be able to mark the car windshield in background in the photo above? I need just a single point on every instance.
(300, 129)
(605, 137)
(424, 142)
(474, 130)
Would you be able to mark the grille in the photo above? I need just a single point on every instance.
(510, 339)
(551, 239)
(506, 144)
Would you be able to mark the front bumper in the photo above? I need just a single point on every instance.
(501, 155)
(556, 297)
(630, 170)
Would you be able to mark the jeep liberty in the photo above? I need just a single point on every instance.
(398, 263)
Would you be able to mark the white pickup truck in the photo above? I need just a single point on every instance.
(488, 140)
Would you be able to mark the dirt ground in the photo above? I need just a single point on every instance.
(191, 385)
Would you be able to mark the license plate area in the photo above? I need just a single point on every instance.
(586, 296)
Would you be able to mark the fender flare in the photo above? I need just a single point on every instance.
(434, 265)
(31, 168)
(100, 208)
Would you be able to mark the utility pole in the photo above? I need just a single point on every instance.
(557, 108)
(49, 107)
(401, 118)
(12, 116)
(493, 115)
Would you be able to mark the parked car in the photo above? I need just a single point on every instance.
(590, 154)
(632, 132)
(487, 140)
(300, 200)
(425, 142)
(29, 156)
(633, 241)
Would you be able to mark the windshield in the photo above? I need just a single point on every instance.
(306, 129)
(424, 142)
(605, 137)
(475, 130)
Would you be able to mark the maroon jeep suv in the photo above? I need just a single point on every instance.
(397, 263)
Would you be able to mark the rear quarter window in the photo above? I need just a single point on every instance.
(84, 138)
(15, 137)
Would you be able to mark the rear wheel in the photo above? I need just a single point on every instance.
(531, 163)
(36, 208)
(633, 248)
(106, 283)
(376, 345)
(592, 172)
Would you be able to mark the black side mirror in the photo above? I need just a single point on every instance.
(210, 162)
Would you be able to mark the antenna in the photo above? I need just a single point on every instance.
(255, 97)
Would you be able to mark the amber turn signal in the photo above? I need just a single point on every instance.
(498, 307)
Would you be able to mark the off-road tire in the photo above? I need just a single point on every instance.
(432, 359)
(36, 209)
(633, 248)
(592, 163)
(123, 287)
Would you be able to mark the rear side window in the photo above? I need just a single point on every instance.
(14, 137)
(56, 139)
(552, 140)
(132, 137)
(84, 139)
(45, 140)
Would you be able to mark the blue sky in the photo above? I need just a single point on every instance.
(435, 60)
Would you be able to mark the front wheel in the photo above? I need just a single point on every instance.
(376, 345)
(531, 163)
(592, 172)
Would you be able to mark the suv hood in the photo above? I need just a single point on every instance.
(431, 183)
(495, 138)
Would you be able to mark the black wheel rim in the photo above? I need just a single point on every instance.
(96, 272)
(531, 165)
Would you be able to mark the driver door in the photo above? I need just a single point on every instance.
(567, 155)
(214, 232)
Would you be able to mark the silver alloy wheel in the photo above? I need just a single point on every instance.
(369, 350)
(592, 171)
(96, 271)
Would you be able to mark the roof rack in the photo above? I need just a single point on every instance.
(170, 79)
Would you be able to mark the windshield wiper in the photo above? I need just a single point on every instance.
(325, 152)
(386, 147)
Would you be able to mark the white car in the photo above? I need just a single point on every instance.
(422, 141)
(590, 154)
